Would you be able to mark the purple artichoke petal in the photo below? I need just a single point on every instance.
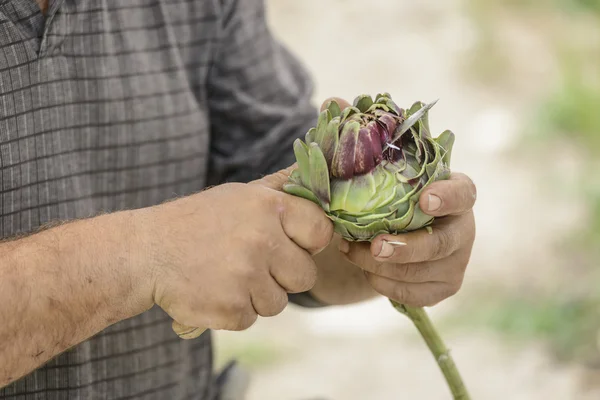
(364, 160)
(343, 160)
(375, 134)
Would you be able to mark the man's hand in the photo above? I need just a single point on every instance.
(418, 268)
(222, 257)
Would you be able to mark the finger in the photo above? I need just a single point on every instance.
(412, 294)
(447, 236)
(187, 332)
(293, 268)
(305, 223)
(241, 320)
(449, 270)
(277, 180)
(234, 315)
(454, 196)
(268, 297)
(341, 102)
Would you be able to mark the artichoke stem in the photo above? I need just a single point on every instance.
(437, 347)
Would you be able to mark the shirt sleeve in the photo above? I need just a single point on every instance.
(259, 98)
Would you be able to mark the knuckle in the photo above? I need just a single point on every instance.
(427, 301)
(403, 272)
(322, 232)
(237, 306)
(245, 321)
(305, 278)
(275, 305)
(402, 294)
(279, 305)
(378, 268)
(247, 273)
(444, 244)
(412, 252)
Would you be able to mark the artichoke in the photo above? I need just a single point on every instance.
(366, 166)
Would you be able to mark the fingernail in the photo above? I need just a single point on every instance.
(344, 247)
(387, 248)
(434, 202)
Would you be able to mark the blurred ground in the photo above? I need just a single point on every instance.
(421, 51)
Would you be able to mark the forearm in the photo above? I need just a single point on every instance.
(61, 286)
(339, 282)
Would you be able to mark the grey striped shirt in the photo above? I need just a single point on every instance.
(114, 104)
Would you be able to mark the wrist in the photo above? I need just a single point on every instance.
(121, 247)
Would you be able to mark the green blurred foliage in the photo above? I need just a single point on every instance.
(568, 114)
(251, 353)
(568, 325)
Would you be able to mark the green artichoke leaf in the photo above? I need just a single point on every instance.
(425, 118)
(419, 219)
(369, 218)
(363, 102)
(382, 97)
(334, 108)
(386, 189)
(301, 191)
(393, 106)
(353, 232)
(322, 124)
(295, 177)
(349, 111)
(330, 141)
(310, 135)
(319, 175)
(361, 190)
(339, 193)
(446, 141)
(301, 153)
(399, 224)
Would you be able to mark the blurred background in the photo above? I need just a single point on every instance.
(519, 83)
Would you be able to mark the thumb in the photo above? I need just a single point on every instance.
(276, 180)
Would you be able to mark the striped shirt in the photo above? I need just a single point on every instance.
(119, 104)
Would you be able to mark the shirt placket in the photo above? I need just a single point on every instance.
(48, 39)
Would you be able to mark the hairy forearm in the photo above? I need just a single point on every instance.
(339, 282)
(61, 286)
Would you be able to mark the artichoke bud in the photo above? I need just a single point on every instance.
(366, 166)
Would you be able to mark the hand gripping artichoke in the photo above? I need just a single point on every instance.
(366, 166)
